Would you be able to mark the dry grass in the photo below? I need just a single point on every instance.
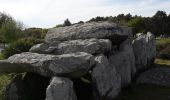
(162, 62)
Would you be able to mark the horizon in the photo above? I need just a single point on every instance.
(47, 14)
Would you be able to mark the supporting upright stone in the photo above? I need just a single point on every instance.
(60, 89)
(144, 47)
(105, 79)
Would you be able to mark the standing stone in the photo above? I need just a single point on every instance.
(140, 51)
(126, 47)
(151, 41)
(144, 47)
(106, 81)
(123, 66)
(60, 89)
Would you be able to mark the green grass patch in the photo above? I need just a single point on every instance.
(161, 41)
(4, 81)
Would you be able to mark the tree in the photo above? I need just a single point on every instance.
(67, 22)
(137, 24)
(10, 29)
(160, 15)
(159, 21)
(4, 17)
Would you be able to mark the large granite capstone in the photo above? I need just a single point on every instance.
(100, 30)
(71, 65)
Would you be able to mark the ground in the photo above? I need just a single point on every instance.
(147, 91)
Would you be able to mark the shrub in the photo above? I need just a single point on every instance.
(21, 45)
(11, 31)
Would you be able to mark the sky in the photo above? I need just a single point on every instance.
(48, 13)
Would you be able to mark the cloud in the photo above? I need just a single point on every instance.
(48, 13)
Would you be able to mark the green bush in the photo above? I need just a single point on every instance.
(21, 45)
(11, 31)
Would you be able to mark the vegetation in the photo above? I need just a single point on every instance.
(157, 24)
(18, 40)
(163, 48)
(162, 62)
(67, 22)
(4, 81)
(137, 24)
(21, 45)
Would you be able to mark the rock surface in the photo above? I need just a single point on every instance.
(27, 86)
(151, 41)
(71, 65)
(106, 82)
(100, 30)
(91, 46)
(123, 66)
(41, 48)
(144, 47)
(60, 89)
(15, 90)
(127, 48)
(158, 75)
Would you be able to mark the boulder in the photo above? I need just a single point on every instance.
(91, 46)
(127, 48)
(144, 47)
(71, 65)
(100, 30)
(151, 41)
(121, 62)
(105, 79)
(60, 89)
(42, 48)
(140, 51)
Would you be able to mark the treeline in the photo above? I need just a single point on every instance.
(18, 38)
(159, 23)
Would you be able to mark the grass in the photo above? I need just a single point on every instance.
(162, 41)
(162, 62)
(4, 80)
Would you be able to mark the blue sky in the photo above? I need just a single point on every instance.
(48, 13)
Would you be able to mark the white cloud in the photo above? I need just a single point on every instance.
(48, 13)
